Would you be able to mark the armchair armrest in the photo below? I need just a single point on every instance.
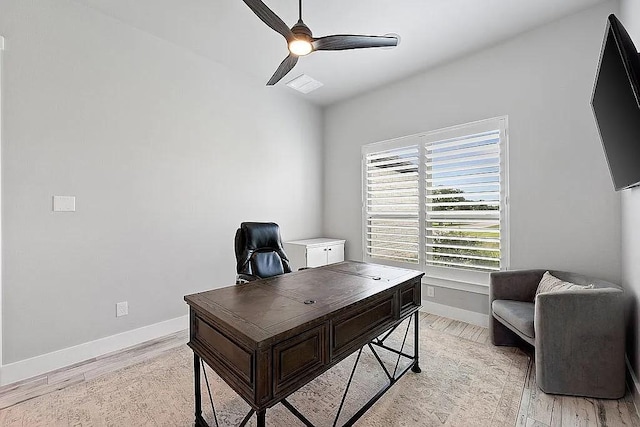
(517, 285)
(580, 331)
(577, 317)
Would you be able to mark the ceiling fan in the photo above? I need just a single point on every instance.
(301, 42)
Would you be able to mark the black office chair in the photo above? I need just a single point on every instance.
(259, 252)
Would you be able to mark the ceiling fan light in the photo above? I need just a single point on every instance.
(300, 47)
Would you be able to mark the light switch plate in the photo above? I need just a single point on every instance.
(64, 203)
(122, 308)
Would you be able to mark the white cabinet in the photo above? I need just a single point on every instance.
(314, 252)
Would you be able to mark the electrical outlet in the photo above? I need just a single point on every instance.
(122, 308)
(431, 292)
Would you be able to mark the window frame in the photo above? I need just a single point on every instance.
(444, 274)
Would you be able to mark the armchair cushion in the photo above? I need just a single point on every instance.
(516, 315)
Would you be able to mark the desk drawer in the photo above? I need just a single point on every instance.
(238, 360)
(298, 358)
(410, 297)
(354, 331)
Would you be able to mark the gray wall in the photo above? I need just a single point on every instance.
(564, 214)
(166, 152)
(630, 17)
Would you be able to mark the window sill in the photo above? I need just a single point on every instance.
(477, 288)
(451, 278)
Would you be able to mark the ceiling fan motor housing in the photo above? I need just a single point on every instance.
(301, 29)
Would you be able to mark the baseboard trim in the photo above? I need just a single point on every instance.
(633, 385)
(456, 313)
(28, 368)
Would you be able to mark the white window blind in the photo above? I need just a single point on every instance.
(463, 202)
(393, 204)
(437, 201)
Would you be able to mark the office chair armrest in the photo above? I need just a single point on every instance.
(245, 278)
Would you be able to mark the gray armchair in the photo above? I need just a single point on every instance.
(578, 335)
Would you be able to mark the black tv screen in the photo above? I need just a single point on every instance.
(616, 105)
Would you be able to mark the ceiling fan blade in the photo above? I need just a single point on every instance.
(270, 18)
(345, 41)
(286, 66)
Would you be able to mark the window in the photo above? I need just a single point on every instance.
(437, 201)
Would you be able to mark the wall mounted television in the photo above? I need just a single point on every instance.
(616, 104)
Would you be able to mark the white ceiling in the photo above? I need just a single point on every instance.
(432, 32)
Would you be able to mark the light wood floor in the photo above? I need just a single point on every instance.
(536, 408)
(88, 370)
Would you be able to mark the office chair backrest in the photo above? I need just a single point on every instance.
(259, 250)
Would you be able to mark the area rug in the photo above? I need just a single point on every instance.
(463, 383)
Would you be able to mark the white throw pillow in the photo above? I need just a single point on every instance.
(551, 283)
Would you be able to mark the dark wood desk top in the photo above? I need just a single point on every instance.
(263, 310)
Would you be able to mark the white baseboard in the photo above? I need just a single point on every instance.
(456, 313)
(42, 364)
(632, 384)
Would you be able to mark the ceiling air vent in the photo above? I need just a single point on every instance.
(304, 83)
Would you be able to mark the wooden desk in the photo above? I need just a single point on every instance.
(270, 337)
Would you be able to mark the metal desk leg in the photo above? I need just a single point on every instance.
(261, 417)
(200, 422)
(416, 367)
